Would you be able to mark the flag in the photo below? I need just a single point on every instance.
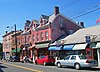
(98, 21)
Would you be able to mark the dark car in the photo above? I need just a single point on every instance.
(45, 60)
(14, 59)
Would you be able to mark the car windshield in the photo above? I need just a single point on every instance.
(83, 57)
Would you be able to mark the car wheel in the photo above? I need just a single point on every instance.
(59, 65)
(77, 66)
(44, 63)
(36, 63)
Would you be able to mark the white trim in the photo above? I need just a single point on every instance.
(79, 46)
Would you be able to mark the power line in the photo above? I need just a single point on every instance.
(85, 10)
(69, 4)
(10, 28)
(85, 13)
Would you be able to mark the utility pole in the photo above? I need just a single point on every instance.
(15, 40)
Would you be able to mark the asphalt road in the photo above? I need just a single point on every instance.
(27, 67)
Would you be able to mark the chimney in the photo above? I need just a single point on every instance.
(28, 21)
(81, 24)
(6, 32)
(56, 10)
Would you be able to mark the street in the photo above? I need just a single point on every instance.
(27, 67)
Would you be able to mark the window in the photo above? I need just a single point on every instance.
(42, 36)
(67, 58)
(33, 38)
(29, 38)
(73, 58)
(37, 37)
(61, 22)
(83, 57)
(46, 35)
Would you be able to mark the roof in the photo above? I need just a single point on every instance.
(79, 36)
(36, 21)
(45, 17)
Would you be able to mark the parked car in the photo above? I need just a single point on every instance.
(14, 59)
(44, 60)
(76, 61)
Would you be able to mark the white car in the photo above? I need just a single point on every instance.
(76, 61)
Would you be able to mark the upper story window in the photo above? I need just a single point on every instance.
(46, 33)
(18, 41)
(29, 38)
(61, 22)
(37, 37)
(42, 36)
(33, 38)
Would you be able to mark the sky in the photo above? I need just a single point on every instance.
(18, 11)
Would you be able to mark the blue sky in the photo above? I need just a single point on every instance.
(18, 11)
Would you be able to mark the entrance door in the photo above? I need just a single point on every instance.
(89, 53)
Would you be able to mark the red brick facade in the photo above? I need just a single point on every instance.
(37, 35)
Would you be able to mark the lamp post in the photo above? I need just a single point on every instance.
(15, 40)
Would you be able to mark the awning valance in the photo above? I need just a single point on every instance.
(44, 45)
(55, 48)
(31, 46)
(80, 46)
(68, 47)
(18, 50)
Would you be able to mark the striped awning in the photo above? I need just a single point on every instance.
(80, 46)
(97, 45)
(18, 50)
(55, 48)
(68, 47)
(44, 45)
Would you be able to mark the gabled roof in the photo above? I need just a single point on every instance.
(53, 17)
(79, 36)
(36, 21)
(45, 17)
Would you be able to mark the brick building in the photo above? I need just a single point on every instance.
(9, 43)
(38, 35)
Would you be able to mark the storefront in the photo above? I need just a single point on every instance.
(61, 51)
(42, 49)
(98, 52)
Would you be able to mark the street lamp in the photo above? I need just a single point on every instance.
(15, 40)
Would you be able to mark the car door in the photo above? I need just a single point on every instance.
(65, 61)
(72, 60)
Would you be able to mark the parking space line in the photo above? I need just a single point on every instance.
(34, 70)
